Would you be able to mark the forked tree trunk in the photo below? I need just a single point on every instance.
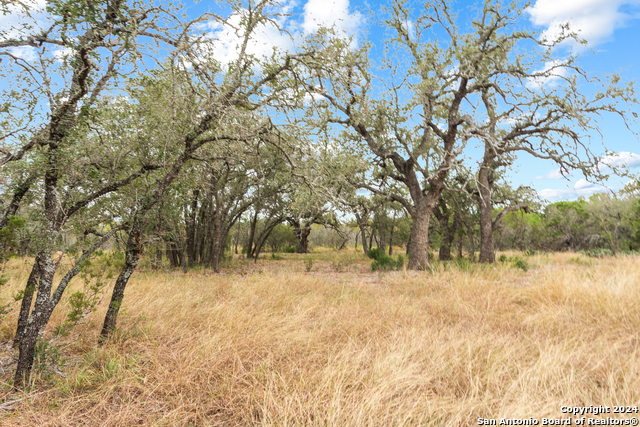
(37, 320)
(25, 307)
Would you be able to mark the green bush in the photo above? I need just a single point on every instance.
(520, 263)
(375, 253)
(289, 249)
(503, 258)
(381, 261)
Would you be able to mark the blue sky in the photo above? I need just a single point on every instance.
(611, 27)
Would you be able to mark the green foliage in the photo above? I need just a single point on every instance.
(518, 262)
(286, 249)
(48, 356)
(276, 257)
(9, 240)
(597, 253)
(503, 258)
(382, 261)
(375, 253)
(308, 264)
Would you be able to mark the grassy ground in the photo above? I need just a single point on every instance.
(274, 344)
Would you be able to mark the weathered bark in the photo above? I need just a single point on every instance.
(38, 319)
(132, 256)
(27, 349)
(25, 307)
(487, 252)
(302, 234)
(418, 247)
(302, 231)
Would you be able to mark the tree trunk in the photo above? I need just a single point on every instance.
(302, 234)
(218, 244)
(252, 235)
(26, 355)
(448, 232)
(393, 226)
(37, 320)
(25, 308)
(487, 252)
(364, 240)
(131, 261)
(191, 230)
(418, 247)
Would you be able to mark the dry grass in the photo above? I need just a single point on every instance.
(274, 345)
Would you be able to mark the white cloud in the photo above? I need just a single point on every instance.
(330, 13)
(621, 160)
(557, 194)
(552, 174)
(62, 54)
(593, 20)
(226, 39)
(552, 73)
(25, 52)
(14, 22)
(581, 188)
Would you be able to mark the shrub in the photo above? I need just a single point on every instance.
(289, 249)
(375, 253)
(309, 264)
(520, 263)
(381, 261)
(503, 258)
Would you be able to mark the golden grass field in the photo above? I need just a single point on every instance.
(272, 344)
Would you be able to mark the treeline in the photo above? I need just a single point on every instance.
(604, 222)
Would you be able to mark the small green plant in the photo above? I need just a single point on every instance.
(47, 354)
(289, 249)
(520, 263)
(503, 258)
(276, 257)
(382, 261)
(308, 264)
(530, 252)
